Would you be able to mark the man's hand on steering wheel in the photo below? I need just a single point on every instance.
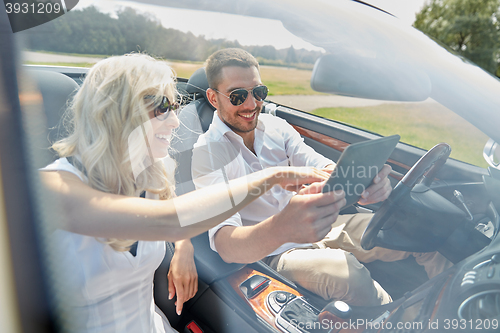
(379, 190)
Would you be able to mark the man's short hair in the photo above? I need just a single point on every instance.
(225, 58)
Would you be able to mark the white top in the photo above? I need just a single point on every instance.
(277, 143)
(108, 291)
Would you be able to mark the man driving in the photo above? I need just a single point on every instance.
(301, 236)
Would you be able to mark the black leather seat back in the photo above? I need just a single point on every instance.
(56, 90)
(182, 145)
(195, 119)
(198, 85)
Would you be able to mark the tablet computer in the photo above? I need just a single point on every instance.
(358, 165)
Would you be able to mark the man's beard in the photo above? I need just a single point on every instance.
(246, 130)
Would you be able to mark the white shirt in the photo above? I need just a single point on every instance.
(276, 143)
(106, 290)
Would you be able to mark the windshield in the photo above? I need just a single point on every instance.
(374, 61)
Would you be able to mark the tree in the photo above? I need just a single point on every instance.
(291, 57)
(266, 52)
(89, 31)
(469, 27)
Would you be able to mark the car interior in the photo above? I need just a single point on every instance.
(254, 298)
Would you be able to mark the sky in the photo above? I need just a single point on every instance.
(216, 27)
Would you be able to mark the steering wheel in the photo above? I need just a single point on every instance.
(422, 172)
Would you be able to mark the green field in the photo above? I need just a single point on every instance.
(416, 124)
(287, 81)
(280, 80)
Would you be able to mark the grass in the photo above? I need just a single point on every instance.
(287, 81)
(280, 80)
(417, 125)
(184, 69)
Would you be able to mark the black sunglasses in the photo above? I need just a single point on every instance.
(162, 111)
(239, 96)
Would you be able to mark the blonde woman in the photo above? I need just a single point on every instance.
(122, 120)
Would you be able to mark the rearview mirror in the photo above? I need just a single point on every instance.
(371, 77)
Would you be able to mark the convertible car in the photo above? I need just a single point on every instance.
(438, 203)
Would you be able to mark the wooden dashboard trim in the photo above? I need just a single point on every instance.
(258, 303)
(339, 145)
(336, 144)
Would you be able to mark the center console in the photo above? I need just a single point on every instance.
(281, 306)
(293, 314)
(286, 310)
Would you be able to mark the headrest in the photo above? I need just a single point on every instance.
(56, 89)
(198, 83)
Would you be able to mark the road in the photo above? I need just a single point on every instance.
(55, 58)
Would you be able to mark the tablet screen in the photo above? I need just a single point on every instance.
(358, 165)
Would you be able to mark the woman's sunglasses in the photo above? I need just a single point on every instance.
(162, 111)
(239, 96)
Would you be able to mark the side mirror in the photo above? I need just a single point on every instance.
(491, 153)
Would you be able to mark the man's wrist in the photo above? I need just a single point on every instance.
(274, 225)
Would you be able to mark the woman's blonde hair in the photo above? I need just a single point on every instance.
(104, 112)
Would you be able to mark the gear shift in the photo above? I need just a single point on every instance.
(460, 198)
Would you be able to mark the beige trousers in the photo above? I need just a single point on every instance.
(331, 267)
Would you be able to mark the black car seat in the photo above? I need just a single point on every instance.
(56, 89)
(195, 119)
(181, 151)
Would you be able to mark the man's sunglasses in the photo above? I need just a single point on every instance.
(162, 111)
(239, 96)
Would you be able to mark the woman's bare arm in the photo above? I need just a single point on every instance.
(91, 212)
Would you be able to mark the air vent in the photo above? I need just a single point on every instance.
(483, 305)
